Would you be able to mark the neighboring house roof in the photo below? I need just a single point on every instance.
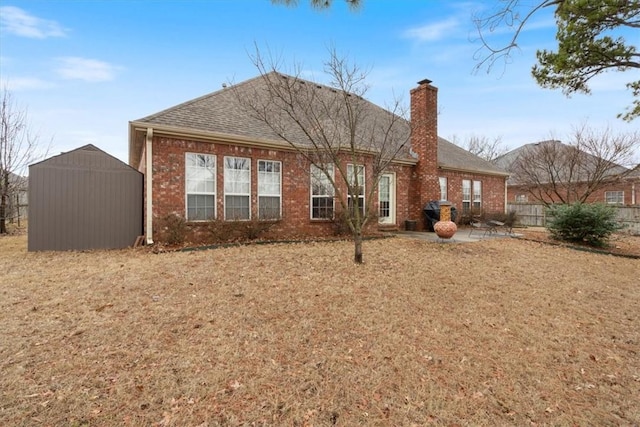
(222, 114)
(17, 182)
(508, 160)
(635, 173)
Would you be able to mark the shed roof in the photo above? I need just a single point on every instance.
(88, 157)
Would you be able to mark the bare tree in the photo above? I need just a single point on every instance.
(483, 146)
(347, 140)
(567, 173)
(18, 148)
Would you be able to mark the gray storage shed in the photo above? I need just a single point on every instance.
(84, 199)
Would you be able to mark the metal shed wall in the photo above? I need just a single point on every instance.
(84, 199)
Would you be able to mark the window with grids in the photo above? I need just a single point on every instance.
(614, 197)
(466, 195)
(200, 177)
(522, 198)
(355, 175)
(477, 194)
(443, 188)
(269, 189)
(384, 197)
(237, 188)
(322, 193)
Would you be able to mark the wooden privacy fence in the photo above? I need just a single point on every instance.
(534, 215)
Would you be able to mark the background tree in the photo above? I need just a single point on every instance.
(589, 42)
(17, 149)
(567, 173)
(483, 146)
(319, 4)
(335, 130)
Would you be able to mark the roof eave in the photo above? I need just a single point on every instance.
(175, 131)
(473, 171)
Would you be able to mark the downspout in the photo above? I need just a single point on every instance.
(633, 192)
(506, 196)
(148, 176)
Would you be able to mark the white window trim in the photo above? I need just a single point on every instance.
(470, 195)
(279, 195)
(476, 190)
(187, 192)
(606, 199)
(441, 180)
(226, 193)
(312, 196)
(351, 175)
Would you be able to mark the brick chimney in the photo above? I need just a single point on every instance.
(424, 142)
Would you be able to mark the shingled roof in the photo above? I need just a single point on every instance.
(451, 156)
(221, 113)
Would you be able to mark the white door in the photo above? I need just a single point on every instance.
(387, 199)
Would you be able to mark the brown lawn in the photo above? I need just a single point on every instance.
(498, 332)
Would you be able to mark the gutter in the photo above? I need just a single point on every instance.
(245, 141)
(148, 185)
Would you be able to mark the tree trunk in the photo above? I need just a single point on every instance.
(4, 196)
(357, 240)
(3, 210)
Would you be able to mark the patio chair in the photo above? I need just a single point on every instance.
(478, 225)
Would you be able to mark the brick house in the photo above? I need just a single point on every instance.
(208, 161)
(621, 186)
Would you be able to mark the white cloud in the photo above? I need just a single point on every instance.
(27, 83)
(16, 21)
(433, 31)
(90, 70)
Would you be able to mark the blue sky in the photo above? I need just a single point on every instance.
(84, 68)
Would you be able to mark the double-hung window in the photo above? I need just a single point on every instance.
(237, 188)
(322, 193)
(200, 174)
(477, 195)
(355, 174)
(466, 195)
(443, 188)
(269, 189)
(614, 197)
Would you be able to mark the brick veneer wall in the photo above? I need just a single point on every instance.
(492, 189)
(169, 188)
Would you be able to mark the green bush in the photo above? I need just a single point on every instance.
(583, 223)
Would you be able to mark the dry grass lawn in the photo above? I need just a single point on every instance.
(498, 332)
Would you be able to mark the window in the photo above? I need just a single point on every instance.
(355, 176)
(200, 176)
(466, 195)
(477, 194)
(269, 189)
(614, 197)
(521, 198)
(443, 188)
(322, 192)
(237, 188)
(384, 196)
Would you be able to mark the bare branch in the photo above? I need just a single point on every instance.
(334, 128)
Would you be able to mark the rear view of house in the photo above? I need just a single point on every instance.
(209, 161)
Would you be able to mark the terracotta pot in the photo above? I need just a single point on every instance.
(445, 229)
